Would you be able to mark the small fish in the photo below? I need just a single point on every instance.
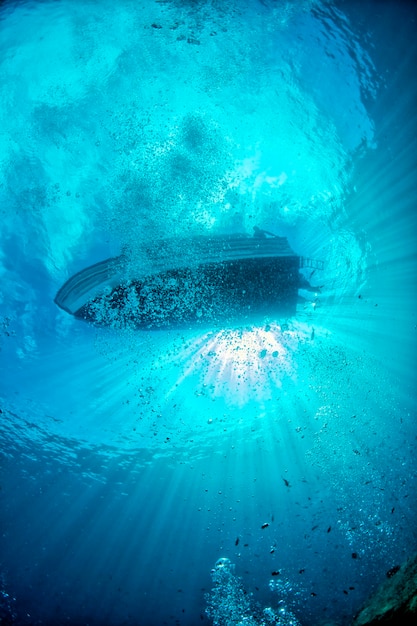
(393, 509)
(329, 529)
(237, 541)
(393, 571)
(345, 592)
(275, 573)
(314, 527)
(313, 594)
(352, 588)
(265, 525)
(354, 555)
(301, 571)
(287, 484)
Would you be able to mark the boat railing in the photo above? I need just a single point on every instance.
(311, 263)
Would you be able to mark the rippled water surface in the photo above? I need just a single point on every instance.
(133, 460)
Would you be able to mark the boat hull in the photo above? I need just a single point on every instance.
(218, 282)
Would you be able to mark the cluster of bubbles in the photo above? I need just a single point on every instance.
(228, 604)
(7, 604)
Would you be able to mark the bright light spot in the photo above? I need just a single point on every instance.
(249, 178)
(240, 365)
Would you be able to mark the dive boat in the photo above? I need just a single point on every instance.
(211, 281)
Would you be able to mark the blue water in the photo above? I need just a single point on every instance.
(133, 461)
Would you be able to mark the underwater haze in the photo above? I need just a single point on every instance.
(259, 474)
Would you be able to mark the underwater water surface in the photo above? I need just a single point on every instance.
(132, 461)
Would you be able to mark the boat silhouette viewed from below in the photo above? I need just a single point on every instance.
(200, 281)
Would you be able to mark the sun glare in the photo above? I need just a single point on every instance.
(242, 364)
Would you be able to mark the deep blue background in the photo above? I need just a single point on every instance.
(132, 461)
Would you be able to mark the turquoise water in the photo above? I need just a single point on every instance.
(132, 461)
